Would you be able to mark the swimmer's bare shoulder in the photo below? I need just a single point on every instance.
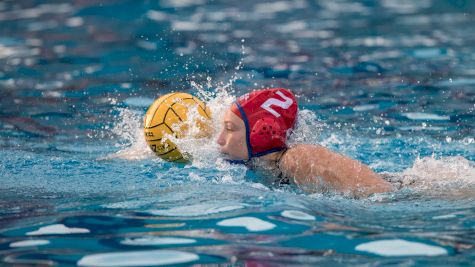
(312, 167)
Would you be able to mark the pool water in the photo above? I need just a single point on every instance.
(390, 83)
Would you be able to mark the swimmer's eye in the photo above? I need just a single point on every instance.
(228, 127)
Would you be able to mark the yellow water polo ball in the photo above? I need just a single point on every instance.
(168, 117)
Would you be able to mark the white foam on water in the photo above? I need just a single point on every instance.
(147, 45)
(259, 186)
(75, 22)
(446, 171)
(29, 243)
(218, 97)
(156, 15)
(58, 229)
(138, 258)
(195, 210)
(129, 129)
(153, 240)
(230, 173)
(204, 151)
(399, 247)
(422, 128)
(307, 128)
(362, 108)
(298, 215)
(447, 176)
(131, 204)
(195, 177)
(275, 7)
(425, 116)
(252, 224)
(446, 216)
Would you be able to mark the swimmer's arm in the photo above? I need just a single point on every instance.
(314, 166)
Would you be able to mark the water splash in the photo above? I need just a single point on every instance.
(218, 97)
(202, 151)
(447, 176)
(307, 129)
(129, 132)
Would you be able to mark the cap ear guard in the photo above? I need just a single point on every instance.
(266, 133)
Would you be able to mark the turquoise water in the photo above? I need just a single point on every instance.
(390, 83)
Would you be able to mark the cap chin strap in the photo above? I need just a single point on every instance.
(272, 150)
(246, 123)
(244, 162)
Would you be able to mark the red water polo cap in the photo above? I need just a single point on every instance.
(268, 115)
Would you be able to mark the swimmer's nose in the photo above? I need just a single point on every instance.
(220, 139)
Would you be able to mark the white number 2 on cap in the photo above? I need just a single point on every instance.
(273, 101)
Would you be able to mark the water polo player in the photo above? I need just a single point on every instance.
(255, 131)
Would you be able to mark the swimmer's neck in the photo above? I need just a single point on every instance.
(272, 157)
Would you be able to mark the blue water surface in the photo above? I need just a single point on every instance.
(390, 83)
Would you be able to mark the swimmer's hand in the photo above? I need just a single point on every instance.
(313, 168)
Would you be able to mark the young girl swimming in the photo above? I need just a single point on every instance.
(255, 131)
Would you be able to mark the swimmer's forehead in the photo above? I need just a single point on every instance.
(231, 118)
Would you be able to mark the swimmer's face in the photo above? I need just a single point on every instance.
(232, 139)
